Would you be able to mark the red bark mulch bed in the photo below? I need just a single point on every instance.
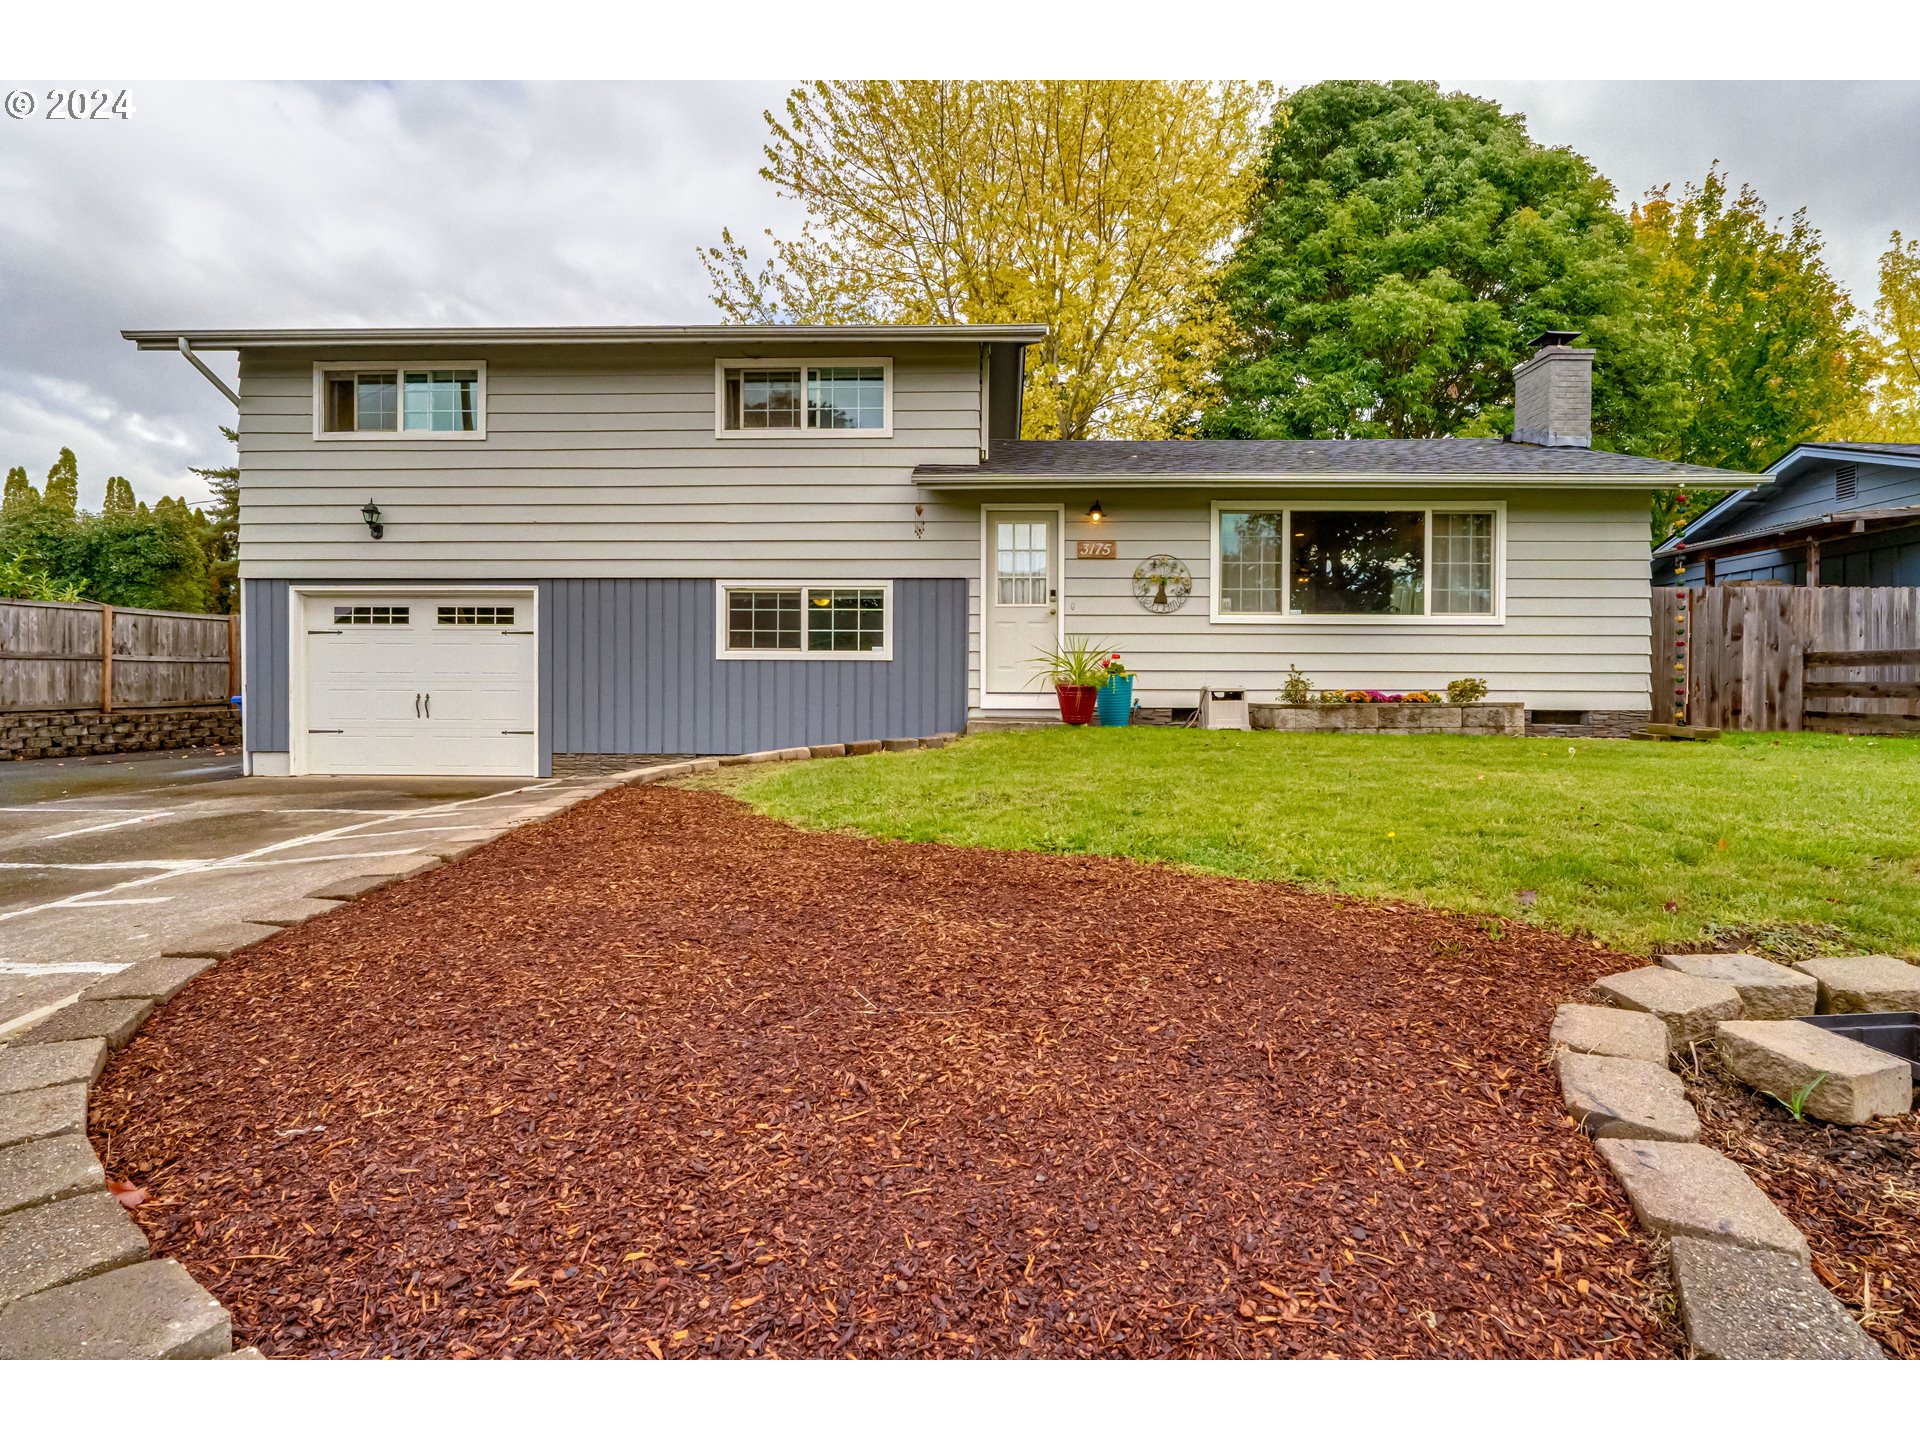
(1853, 1190)
(665, 1077)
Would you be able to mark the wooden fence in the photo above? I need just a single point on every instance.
(56, 656)
(1737, 657)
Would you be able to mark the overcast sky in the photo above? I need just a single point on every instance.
(277, 205)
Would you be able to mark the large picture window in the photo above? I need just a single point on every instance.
(442, 401)
(804, 621)
(1361, 563)
(794, 398)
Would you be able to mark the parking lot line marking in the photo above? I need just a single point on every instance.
(101, 865)
(122, 900)
(110, 825)
(65, 807)
(174, 868)
(321, 859)
(60, 967)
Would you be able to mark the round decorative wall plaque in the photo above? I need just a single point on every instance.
(1162, 584)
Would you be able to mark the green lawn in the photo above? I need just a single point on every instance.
(1810, 839)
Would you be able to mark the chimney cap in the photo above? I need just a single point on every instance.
(1553, 339)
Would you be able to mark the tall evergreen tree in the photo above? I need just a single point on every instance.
(119, 499)
(63, 484)
(223, 530)
(20, 493)
(1403, 248)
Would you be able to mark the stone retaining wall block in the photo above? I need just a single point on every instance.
(148, 1311)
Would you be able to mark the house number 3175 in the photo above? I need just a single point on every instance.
(1096, 550)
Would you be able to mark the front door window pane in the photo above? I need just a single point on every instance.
(1021, 562)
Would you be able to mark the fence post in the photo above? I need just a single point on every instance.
(233, 653)
(106, 658)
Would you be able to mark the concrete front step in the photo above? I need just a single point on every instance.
(1862, 984)
(1767, 991)
(1829, 1076)
(1688, 1006)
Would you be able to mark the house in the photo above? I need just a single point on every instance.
(1827, 513)
(471, 550)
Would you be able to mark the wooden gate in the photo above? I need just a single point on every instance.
(1737, 656)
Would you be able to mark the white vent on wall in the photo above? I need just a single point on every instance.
(1844, 480)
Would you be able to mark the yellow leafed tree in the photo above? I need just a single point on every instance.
(1888, 408)
(1098, 208)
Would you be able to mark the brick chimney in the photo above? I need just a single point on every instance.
(1553, 393)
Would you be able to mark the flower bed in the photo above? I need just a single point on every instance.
(1394, 717)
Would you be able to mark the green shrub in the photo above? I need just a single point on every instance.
(1298, 689)
(1466, 692)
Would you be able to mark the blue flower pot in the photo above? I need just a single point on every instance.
(1115, 702)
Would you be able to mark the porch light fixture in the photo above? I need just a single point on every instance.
(1096, 514)
(370, 513)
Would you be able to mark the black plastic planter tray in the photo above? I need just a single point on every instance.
(1895, 1031)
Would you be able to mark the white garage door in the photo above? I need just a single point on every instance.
(420, 685)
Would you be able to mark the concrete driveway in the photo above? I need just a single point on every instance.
(110, 860)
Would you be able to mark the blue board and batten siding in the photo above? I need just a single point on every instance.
(628, 667)
(263, 658)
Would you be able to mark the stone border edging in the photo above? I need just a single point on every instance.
(1742, 1277)
(77, 1279)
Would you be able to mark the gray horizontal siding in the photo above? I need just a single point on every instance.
(263, 659)
(627, 666)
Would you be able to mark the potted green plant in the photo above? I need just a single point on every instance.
(1076, 670)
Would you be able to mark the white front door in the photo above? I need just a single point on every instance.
(420, 684)
(1022, 605)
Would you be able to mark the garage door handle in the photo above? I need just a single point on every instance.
(326, 732)
(323, 632)
(516, 732)
(429, 706)
(516, 632)
(416, 706)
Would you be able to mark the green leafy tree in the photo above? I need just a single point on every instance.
(1098, 207)
(1775, 353)
(63, 484)
(1403, 248)
(20, 580)
(221, 538)
(119, 499)
(1887, 407)
(19, 492)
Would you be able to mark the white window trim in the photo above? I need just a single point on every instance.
(1497, 508)
(324, 368)
(804, 431)
(721, 587)
(297, 597)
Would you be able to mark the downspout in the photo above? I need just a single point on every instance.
(212, 379)
(233, 631)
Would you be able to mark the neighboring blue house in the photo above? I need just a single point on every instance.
(1829, 513)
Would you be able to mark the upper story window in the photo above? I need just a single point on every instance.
(1381, 563)
(440, 401)
(796, 398)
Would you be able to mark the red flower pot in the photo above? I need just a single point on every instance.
(1076, 702)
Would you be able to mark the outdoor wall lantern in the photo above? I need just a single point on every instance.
(370, 513)
(1097, 513)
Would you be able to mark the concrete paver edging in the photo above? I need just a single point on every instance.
(1743, 1281)
(76, 1277)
